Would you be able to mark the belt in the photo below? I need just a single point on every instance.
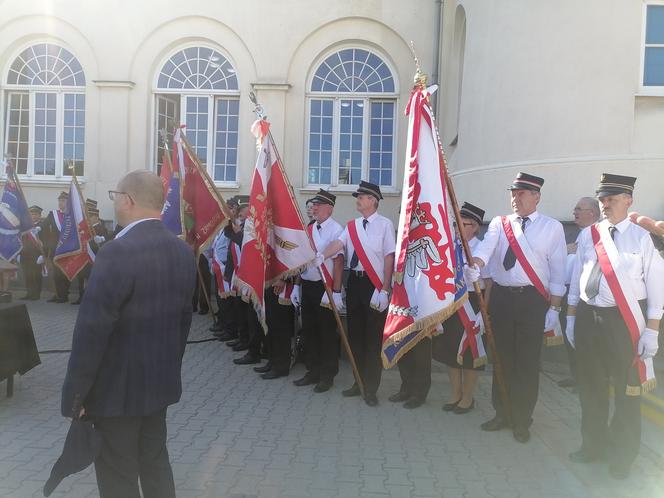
(516, 290)
(359, 273)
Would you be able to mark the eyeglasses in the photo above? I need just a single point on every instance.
(469, 224)
(113, 193)
(577, 210)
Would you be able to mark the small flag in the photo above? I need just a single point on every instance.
(14, 216)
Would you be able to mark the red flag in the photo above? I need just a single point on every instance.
(275, 243)
(205, 211)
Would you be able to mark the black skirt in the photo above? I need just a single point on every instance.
(446, 345)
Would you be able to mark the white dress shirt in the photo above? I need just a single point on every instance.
(545, 237)
(484, 271)
(569, 262)
(329, 231)
(380, 233)
(220, 247)
(638, 259)
(131, 225)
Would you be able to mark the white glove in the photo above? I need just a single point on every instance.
(36, 230)
(383, 300)
(338, 300)
(40, 260)
(99, 239)
(318, 260)
(471, 274)
(374, 303)
(479, 322)
(552, 317)
(569, 330)
(295, 296)
(647, 347)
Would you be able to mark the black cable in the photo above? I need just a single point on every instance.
(55, 351)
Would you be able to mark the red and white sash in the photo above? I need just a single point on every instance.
(625, 297)
(471, 337)
(524, 254)
(285, 294)
(372, 263)
(235, 254)
(223, 287)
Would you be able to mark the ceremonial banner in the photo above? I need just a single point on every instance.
(424, 290)
(275, 244)
(14, 216)
(73, 251)
(171, 213)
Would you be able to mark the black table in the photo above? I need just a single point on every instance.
(18, 350)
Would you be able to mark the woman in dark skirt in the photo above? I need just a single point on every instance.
(463, 376)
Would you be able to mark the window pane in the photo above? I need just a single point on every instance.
(655, 24)
(320, 141)
(18, 138)
(353, 70)
(73, 134)
(653, 72)
(197, 128)
(199, 68)
(45, 124)
(350, 141)
(168, 107)
(226, 136)
(381, 142)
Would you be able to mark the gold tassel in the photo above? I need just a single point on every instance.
(556, 340)
(478, 362)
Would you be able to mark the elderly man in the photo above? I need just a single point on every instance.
(615, 307)
(527, 254)
(130, 335)
(50, 235)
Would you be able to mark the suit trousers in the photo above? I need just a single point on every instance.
(61, 283)
(199, 300)
(226, 314)
(32, 274)
(241, 312)
(365, 331)
(134, 448)
(517, 315)
(415, 370)
(255, 331)
(321, 340)
(604, 351)
(280, 330)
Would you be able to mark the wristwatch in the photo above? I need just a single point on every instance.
(556, 308)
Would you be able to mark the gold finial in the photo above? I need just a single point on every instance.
(420, 78)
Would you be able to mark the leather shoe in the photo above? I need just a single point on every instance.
(78, 301)
(449, 407)
(371, 400)
(247, 359)
(413, 402)
(522, 435)
(567, 383)
(323, 386)
(307, 380)
(54, 299)
(495, 424)
(583, 456)
(226, 336)
(203, 312)
(620, 472)
(233, 342)
(241, 346)
(399, 397)
(274, 374)
(353, 391)
(24, 298)
(459, 410)
(263, 368)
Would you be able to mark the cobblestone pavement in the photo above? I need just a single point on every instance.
(235, 435)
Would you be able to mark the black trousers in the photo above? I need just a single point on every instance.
(82, 279)
(279, 319)
(321, 340)
(365, 331)
(518, 323)
(242, 311)
(254, 331)
(415, 370)
(199, 300)
(226, 314)
(32, 274)
(604, 351)
(61, 283)
(134, 448)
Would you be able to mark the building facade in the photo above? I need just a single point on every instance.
(564, 90)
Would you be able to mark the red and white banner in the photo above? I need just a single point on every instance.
(424, 280)
(472, 336)
(275, 244)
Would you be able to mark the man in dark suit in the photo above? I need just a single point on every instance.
(130, 335)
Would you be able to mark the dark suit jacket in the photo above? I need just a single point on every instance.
(50, 235)
(132, 326)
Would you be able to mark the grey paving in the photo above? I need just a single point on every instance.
(234, 435)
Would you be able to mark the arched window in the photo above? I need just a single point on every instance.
(45, 119)
(198, 86)
(352, 100)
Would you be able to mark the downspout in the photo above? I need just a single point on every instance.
(436, 51)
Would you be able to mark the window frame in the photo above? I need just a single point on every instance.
(648, 90)
(212, 95)
(337, 97)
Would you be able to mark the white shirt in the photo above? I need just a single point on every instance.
(639, 260)
(220, 247)
(131, 225)
(329, 231)
(546, 238)
(380, 233)
(484, 271)
(569, 262)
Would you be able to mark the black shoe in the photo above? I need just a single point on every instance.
(460, 410)
(226, 336)
(353, 391)
(33, 298)
(247, 359)
(371, 400)
(233, 342)
(620, 472)
(25, 298)
(307, 380)
(522, 435)
(61, 300)
(567, 383)
(78, 301)
(242, 346)
(217, 327)
(399, 397)
(323, 386)
(274, 374)
(203, 312)
(584, 456)
(54, 299)
(263, 368)
(414, 402)
(449, 407)
(495, 424)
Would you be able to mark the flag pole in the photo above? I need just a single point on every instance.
(258, 109)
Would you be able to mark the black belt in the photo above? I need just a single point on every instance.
(359, 273)
(516, 290)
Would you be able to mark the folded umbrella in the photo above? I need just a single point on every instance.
(81, 448)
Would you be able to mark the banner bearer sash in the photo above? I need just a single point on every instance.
(623, 294)
(370, 261)
(285, 294)
(223, 287)
(524, 254)
(472, 336)
(57, 219)
(235, 254)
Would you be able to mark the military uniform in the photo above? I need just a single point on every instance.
(51, 233)
(32, 256)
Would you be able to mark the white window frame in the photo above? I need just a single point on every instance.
(337, 97)
(648, 90)
(212, 108)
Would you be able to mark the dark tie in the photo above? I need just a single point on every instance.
(510, 258)
(592, 286)
(318, 227)
(353, 260)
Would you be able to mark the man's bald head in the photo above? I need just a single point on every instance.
(141, 196)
